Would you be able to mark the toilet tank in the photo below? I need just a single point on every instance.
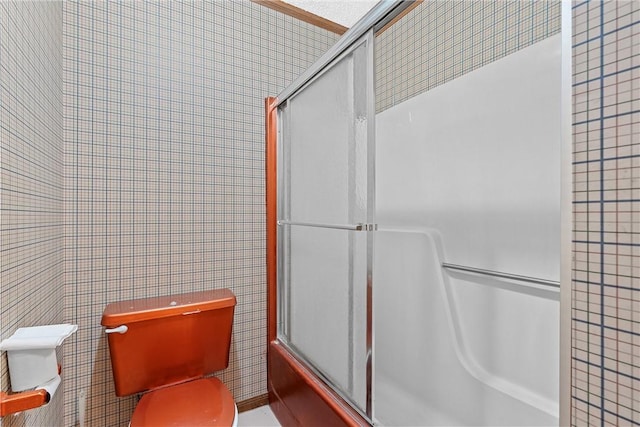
(168, 339)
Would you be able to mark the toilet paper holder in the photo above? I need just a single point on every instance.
(21, 401)
(33, 364)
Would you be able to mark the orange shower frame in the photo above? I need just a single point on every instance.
(296, 395)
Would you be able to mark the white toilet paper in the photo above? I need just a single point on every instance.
(51, 386)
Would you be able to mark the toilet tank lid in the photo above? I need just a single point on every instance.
(137, 310)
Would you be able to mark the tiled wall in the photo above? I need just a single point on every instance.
(31, 180)
(164, 145)
(164, 168)
(441, 40)
(606, 287)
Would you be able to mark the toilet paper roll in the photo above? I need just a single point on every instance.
(51, 386)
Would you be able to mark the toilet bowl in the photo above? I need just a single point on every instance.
(202, 402)
(164, 347)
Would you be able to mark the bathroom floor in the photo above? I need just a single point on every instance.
(258, 417)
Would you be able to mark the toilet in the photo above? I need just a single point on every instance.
(163, 347)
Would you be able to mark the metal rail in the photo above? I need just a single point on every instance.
(502, 275)
(351, 227)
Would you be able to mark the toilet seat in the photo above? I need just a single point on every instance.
(198, 403)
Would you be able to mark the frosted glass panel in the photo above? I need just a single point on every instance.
(325, 188)
(326, 303)
(327, 149)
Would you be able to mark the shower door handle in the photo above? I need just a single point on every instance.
(350, 227)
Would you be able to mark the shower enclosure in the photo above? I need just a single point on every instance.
(414, 245)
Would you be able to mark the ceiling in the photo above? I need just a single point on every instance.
(343, 12)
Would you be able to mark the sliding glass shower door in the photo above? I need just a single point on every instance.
(325, 209)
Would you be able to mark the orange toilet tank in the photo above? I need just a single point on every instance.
(168, 339)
